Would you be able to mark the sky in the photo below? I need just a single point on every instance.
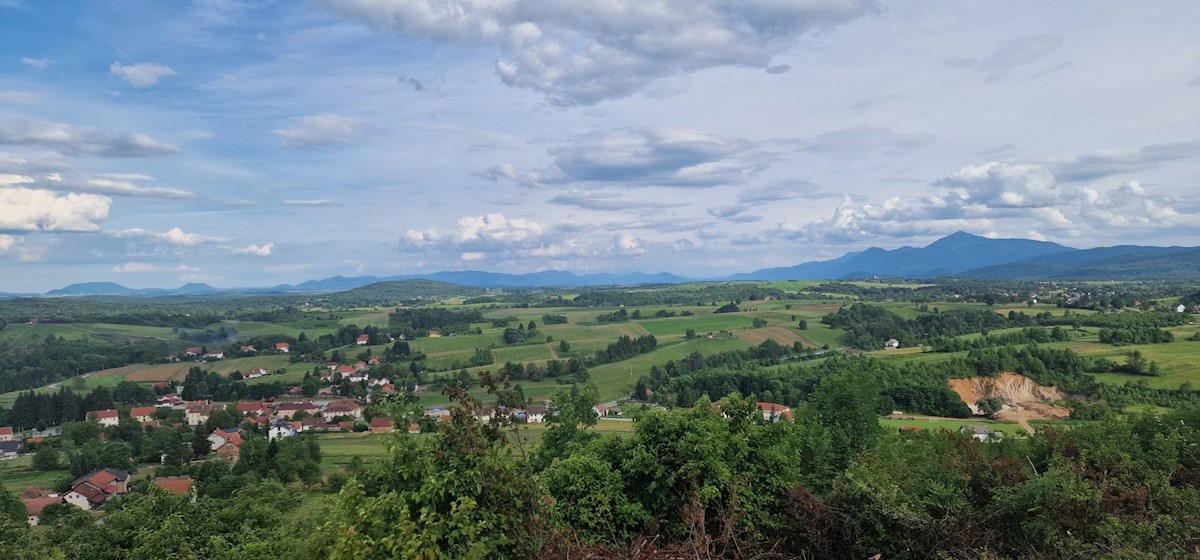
(242, 143)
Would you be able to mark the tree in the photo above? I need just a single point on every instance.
(803, 324)
(990, 405)
(46, 459)
(564, 346)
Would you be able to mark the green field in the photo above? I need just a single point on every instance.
(952, 424)
(18, 474)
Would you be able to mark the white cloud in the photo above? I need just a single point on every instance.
(23, 209)
(584, 51)
(628, 244)
(81, 141)
(37, 63)
(9, 96)
(647, 157)
(312, 202)
(321, 130)
(1009, 185)
(141, 75)
(134, 267)
(6, 242)
(176, 236)
(263, 250)
(472, 256)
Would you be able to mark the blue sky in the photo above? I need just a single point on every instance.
(254, 143)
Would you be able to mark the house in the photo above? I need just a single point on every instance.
(358, 376)
(192, 352)
(772, 412)
(362, 340)
(218, 355)
(92, 490)
(289, 409)
(345, 371)
(34, 507)
(314, 423)
(414, 429)
(230, 447)
(980, 432)
(891, 344)
(282, 347)
(437, 413)
(197, 412)
(534, 415)
(256, 373)
(169, 399)
(251, 409)
(374, 361)
(9, 449)
(6, 433)
(434, 333)
(220, 437)
(360, 365)
(142, 413)
(247, 349)
(177, 485)
(280, 429)
(342, 408)
(1181, 308)
(603, 410)
(382, 425)
(105, 417)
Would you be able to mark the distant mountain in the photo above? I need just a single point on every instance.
(195, 288)
(1128, 261)
(951, 255)
(94, 289)
(481, 279)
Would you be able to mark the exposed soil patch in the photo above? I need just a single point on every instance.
(782, 335)
(1024, 399)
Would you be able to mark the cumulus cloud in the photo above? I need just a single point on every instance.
(134, 267)
(263, 250)
(497, 235)
(584, 52)
(321, 130)
(80, 141)
(175, 236)
(647, 157)
(1004, 185)
(141, 75)
(628, 244)
(7, 242)
(24, 209)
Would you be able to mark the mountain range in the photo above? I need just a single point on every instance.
(957, 255)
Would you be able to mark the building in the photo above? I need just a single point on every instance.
(247, 349)
(362, 340)
(280, 429)
(230, 447)
(252, 409)
(533, 414)
(6, 433)
(414, 429)
(282, 347)
(288, 410)
(382, 425)
(192, 352)
(218, 355)
(434, 333)
(34, 507)
(177, 485)
(342, 408)
(9, 449)
(197, 412)
(142, 413)
(772, 412)
(220, 437)
(256, 373)
(92, 490)
(980, 432)
(105, 417)
(891, 344)
(1181, 308)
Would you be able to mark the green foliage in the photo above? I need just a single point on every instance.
(730, 307)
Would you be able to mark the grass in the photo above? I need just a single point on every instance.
(24, 335)
(524, 353)
(700, 323)
(951, 424)
(616, 380)
(18, 474)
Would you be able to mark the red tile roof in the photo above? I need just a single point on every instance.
(6, 431)
(110, 413)
(382, 422)
(142, 411)
(34, 506)
(178, 485)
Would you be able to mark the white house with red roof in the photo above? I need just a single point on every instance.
(108, 417)
(193, 351)
(142, 413)
(92, 490)
(6, 433)
(197, 412)
(772, 412)
(256, 373)
(362, 340)
(282, 347)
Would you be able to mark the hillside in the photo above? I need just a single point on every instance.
(1124, 262)
(948, 256)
